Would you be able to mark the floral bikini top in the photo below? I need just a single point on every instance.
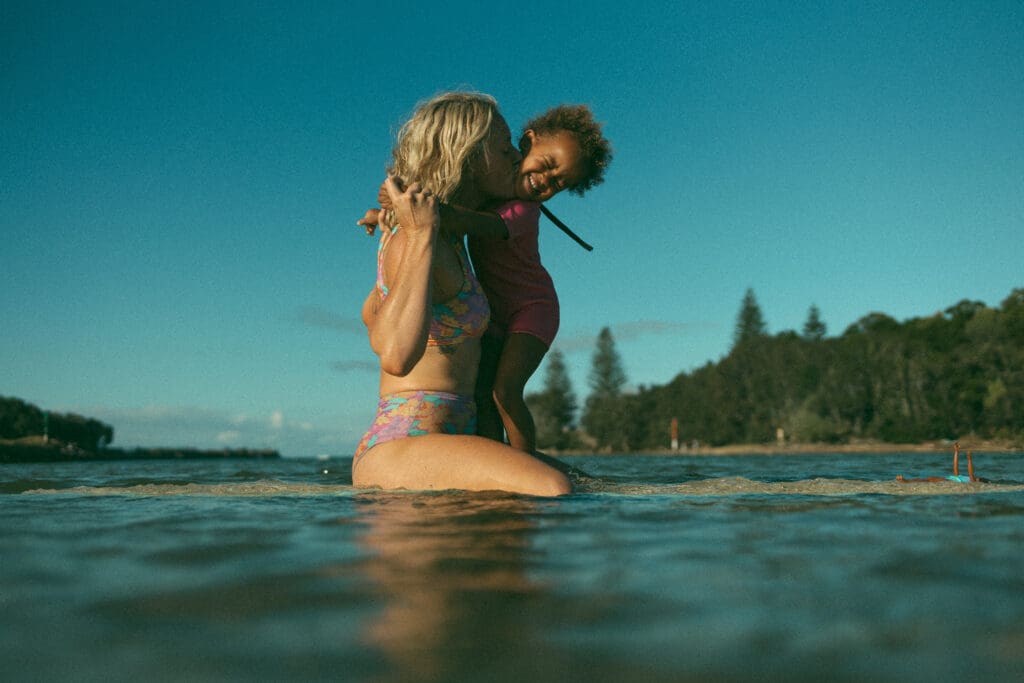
(461, 317)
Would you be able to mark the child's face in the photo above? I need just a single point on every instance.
(551, 165)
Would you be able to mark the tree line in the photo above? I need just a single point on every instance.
(19, 419)
(953, 374)
(68, 436)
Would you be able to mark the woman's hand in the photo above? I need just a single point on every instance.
(415, 209)
(371, 219)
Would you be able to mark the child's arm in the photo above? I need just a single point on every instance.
(457, 220)
(370, 220)
(462, 221)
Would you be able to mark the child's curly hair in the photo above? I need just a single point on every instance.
(578, 120)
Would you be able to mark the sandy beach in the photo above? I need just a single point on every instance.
(866, 447)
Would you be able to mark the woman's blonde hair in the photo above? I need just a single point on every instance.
(439, 143)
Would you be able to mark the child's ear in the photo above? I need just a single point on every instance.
(526, 142)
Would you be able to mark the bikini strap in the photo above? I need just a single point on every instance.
(385, 237)
(460, 253)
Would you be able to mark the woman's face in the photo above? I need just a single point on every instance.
(496, 169)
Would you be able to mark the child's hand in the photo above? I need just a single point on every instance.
(383, 199)
(370, 220)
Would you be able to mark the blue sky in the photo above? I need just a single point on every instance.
(179, 187)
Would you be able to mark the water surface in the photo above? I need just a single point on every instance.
(809, 567)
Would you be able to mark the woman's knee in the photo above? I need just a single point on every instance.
(555, 483)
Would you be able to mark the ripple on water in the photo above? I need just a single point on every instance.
(265, 488)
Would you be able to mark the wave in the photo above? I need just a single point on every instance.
(253, 489)
(737, 486)
(725, 486)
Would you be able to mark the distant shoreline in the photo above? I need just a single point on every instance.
(864, 447)
(24, 451)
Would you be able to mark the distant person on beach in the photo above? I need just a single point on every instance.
(956, 476)
(563, 149)
(427, 312)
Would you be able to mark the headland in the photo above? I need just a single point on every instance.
(36, 449)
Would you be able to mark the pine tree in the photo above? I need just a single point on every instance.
(602, 416)
(814, 328)
(606, 374)
(554, 408)
(749, 322)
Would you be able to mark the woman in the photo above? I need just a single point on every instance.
(427, 312)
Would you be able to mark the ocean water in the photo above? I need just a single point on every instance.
(662, 568)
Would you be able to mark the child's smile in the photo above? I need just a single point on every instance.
(551, 164)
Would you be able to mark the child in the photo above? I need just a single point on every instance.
(563, 149)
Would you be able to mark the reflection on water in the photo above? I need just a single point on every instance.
(443, 566)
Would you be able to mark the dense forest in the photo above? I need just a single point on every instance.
(951, 375)
(19, 419)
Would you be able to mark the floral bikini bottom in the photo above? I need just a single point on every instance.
(415, 413)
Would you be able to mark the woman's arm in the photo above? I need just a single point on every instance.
(398, 331)
(369, 312)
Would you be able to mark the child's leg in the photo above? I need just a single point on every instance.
(488, 420)
(520, 358)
